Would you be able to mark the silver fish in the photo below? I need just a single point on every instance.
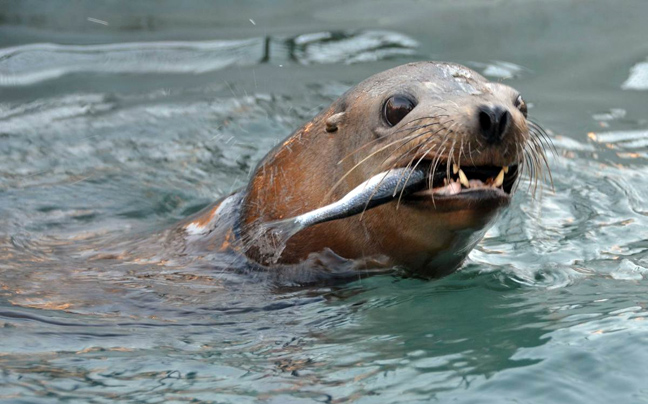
(377, 190)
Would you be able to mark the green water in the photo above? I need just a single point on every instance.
(118, 119)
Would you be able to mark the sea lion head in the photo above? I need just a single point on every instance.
(440, 116)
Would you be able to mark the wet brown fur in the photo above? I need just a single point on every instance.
(349, 142)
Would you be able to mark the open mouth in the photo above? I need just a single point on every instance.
(474, 182)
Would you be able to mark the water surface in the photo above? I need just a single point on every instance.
(114, 130)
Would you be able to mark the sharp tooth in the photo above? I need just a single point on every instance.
(455, 168)
(463, 179)
(499, 180)
(505, 168)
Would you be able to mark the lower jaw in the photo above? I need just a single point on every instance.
(483, 199)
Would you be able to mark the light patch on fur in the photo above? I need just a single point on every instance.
(194, 229)
(200, 226)
(224, 204)
(431, 85)
(459, 72)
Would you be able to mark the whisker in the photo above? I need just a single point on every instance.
(406, 153)
(544, 137)
(411, 150)
(403, 155)
(396, 132)
(407, 138)
(461, 151)
(435, 164)
(410, 174)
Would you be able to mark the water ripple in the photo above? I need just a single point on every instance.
(550, 307)
(34, 63)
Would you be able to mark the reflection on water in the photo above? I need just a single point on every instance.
(551, 306)
(499, 69)
(638, 79)
(30, 64)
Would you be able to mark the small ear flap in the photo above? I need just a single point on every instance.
(333, 121)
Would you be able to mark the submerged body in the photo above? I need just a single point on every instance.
(467, 136)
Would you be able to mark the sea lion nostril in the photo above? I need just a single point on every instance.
(503, 122)
(493, 122)
(485, 121)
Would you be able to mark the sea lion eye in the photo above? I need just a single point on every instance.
(396, 108)
(521, 105)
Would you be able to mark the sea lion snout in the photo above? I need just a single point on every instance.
(494, 121)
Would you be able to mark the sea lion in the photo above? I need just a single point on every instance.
(441, 116)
